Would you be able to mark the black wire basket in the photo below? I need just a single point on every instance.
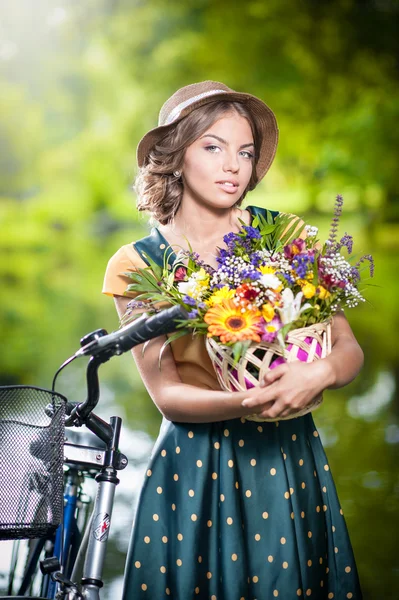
(32, 427)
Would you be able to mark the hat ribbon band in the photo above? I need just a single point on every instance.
(174, 114)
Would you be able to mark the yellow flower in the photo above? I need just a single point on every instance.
(268, 312)
(230, 324)
(309, 290)
(223, 293)
(266, 270)
(202, 277)
(323, 293)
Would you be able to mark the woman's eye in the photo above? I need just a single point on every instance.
(212, 148)
(247, 154)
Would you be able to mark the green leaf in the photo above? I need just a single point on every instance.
(266, 229)
(237, 350)
(269, 217)
(155, 268)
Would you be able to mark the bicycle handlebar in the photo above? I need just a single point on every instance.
(104, 346)
(139, 331)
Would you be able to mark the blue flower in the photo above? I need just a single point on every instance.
(223, 255)
(300, 264)
(231, 238)
(256, 259)
(252, 232)
(193, 314)
(188, 300)
(250, 274)
(287, 277)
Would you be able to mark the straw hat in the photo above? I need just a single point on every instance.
(192, 96)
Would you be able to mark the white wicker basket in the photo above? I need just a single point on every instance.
(305, 344)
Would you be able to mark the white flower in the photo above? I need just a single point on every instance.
(291, 308)
(268, 280)
(311, 230)
(194, 287)
(187, 287)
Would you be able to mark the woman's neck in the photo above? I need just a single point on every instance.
(203, 229)
(203, 224)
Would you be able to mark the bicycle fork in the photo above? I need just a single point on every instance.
(99, 528)
(112, 461)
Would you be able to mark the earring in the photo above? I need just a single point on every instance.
(177, 174)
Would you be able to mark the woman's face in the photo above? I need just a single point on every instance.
(217, 167)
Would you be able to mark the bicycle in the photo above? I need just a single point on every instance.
(41, 512)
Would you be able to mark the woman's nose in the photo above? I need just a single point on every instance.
(231, 162)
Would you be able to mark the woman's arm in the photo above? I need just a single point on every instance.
(291, 387)
(176, 400)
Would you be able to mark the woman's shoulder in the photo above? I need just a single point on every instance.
(125, 260)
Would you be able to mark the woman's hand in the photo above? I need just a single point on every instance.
(293, 386)
(289, 388)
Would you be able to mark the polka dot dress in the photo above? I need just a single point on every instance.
(238, 510)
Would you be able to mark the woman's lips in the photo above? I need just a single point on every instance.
(227, 187)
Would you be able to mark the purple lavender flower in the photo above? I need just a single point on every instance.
(347, 242)
(355, 275)
(193, 314)
(371, 261)
(188, 300)
(339, 201)
(196, 258)
(201, 305)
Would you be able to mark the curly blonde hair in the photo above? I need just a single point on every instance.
(158, 190)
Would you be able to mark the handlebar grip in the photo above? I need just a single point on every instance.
(139, 331)
(146, 328)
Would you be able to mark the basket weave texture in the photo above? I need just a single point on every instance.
(306, 344)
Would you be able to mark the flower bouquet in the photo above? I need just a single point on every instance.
(270, 300)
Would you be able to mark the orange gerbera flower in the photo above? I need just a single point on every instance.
(227, 322)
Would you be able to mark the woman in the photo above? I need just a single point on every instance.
(230, 509)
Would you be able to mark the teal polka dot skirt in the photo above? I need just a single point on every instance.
(238, 510)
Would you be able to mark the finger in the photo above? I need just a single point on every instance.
(275, 411)
(266, 395)
(274, 374)
(264, 406)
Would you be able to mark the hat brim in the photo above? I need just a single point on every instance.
(263, 115)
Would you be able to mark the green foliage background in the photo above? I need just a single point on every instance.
(81, 82)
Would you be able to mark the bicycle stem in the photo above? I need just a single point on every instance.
(102, 513)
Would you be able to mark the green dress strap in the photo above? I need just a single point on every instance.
(154, 245)
(258, 210)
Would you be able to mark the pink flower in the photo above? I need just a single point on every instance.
(296, 247)
(270, 330)
(180, 273)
